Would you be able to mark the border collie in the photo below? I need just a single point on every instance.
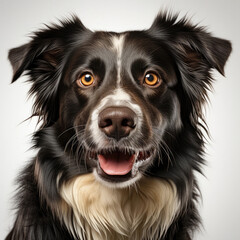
(121, 130)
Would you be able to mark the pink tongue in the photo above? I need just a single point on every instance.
(116, 163)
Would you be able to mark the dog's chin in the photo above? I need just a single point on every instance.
(120, 168)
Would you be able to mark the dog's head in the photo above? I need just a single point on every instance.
(116, 100)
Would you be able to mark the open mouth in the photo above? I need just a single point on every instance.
(120, 165)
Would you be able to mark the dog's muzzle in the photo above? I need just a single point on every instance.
(120, 161)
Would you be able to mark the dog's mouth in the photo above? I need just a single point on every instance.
(120, 165)
(116, 163)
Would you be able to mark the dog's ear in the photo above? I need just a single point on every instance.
(215, 50)
(17, 56)
(191, 41)
(41, 59)
(195, 52)
(36, 54)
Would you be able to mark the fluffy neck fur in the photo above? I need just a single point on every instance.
(93, 211)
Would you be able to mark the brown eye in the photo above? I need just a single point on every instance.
(151, 79)
(86, 80)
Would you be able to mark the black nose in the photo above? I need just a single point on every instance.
(117, 122)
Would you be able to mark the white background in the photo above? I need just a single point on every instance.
(220, 188)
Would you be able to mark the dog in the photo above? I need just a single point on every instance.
(121, 130)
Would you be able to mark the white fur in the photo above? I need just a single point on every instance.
(98, 212)
(118, 98)
(118, 42)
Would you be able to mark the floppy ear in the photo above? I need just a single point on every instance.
(215, 50)
(17, 57)
(195, 52)
(41, 60)
(45, 54)
(192, 41)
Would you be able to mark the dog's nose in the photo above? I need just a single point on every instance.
(117, 122)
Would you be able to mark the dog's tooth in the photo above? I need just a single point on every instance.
(134, 168)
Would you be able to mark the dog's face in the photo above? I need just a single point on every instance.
(120, 87)
(117, 99)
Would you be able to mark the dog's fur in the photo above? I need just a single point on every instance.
(66, 192)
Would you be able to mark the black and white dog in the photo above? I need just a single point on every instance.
(121, 130)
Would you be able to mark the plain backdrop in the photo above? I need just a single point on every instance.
(220, 188)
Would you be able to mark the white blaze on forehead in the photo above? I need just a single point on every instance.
(118, 43)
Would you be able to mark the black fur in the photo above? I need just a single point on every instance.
(48, 60)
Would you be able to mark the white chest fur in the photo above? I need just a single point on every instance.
(93, 211)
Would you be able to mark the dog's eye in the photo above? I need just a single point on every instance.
(152, 80)
(86, 80)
